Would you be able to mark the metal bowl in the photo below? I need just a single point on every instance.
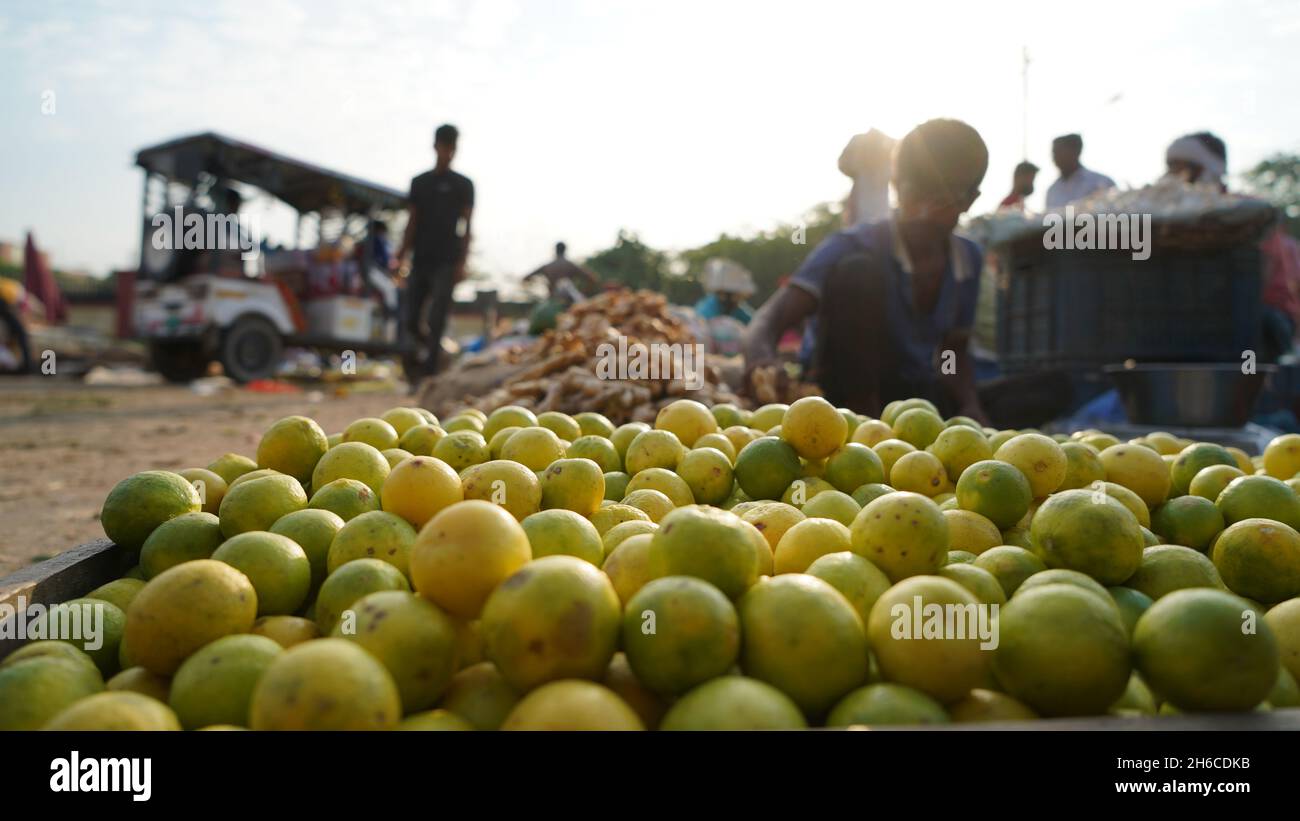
(1188, 395)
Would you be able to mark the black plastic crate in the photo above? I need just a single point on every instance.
(1085, 309)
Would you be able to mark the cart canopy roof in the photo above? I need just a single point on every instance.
(305, 187)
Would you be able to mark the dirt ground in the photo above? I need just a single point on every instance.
(63, 445)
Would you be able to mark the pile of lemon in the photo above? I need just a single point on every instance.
(787, 567)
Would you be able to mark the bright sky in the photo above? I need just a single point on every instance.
(678, 119)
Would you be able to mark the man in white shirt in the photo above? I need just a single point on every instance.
(1075, 182)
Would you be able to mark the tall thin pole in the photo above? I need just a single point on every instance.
(1024, 103)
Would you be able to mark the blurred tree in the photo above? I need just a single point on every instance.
(769, 256)
(1278, 180)
(631, 262)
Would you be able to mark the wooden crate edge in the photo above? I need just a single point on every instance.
(68, 575)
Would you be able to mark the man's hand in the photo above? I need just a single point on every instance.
(766, 382)
(784, 309)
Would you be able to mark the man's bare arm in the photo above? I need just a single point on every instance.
(782, 311)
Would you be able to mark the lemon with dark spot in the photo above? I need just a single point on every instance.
(707, 543)
(182, 609)
(349, 583)
(502, 482)
(573, 484)
(555, 618)
(708, 475)
(904, 534)
(326, 684)
(918, 472)
(996, 490)
(412, 638)
(1259, 559)
(1076, 529)
(1139, 469)
(215, 685)
(1039, 458)
(375, 535)
(679, 632)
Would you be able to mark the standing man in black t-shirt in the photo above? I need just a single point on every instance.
(437, 234)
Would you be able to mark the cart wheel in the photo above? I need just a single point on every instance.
(251, 349)
(179, 361)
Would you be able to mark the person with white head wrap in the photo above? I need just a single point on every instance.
(727, 285)
(1198, 158)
